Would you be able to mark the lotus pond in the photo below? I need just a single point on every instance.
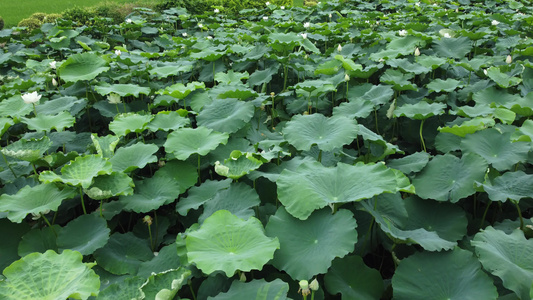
(350, 150)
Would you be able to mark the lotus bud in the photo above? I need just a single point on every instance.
(339, 48)
(447, 35)
(304, 35)
(267, 3)
(54, 82)
(402, 32)
(304, 288)
(216, 11)
(200, 25)
(31, 98)
(494, 22)
(314, 285)
(148, 220)
(53, 64)
(509, 59)
(417, 52)
(485, 71)
(242, 277)
(265, 18)
(307, 24)
(118, 53)
(330, 16)
(184, 34)
(346, 77)
(209, 37)
(128, 21)
(282, 7)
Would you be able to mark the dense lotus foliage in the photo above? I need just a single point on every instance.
(349, 150)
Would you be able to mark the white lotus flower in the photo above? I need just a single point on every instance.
(209, 37)
(346, 77)
(113, 98)
(485, 71)
(54, 82)
(509, 59)
(200, 25)
(313, 286)
(307, 24)
(447, 35)
(304, 35)
(216, 11)
(30, 98)
(494, 22)
(402, 32)
(417, 4)
(184, 34)
(128, 21)
(339, 48)
(330, 16)
(265, 18)
(282, 7)
(267, 3)
(417, 52)
(118, 53)
(53, 64)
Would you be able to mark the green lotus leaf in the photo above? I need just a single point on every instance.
(304, 131)
(227, 243)
(365, 284)
(84, 66)
(468, 126)
(33, 200)
(507, 256)
(406, 45)
(511, 185)
(150, 194)
(260, 77)
(183, 173)
(80, 172)
(255, 290)
(238, 199)
(420, 111)
(39, 240)
(284, 42)
(315, 84)
(496, 148)
(122, 90)
(185, 142)
(498, 98)
(237, 91)
(84, 234)
(49, 276)
(228, 115)
(28, 150)
(348, 64)
(129, 122)
(53, 107)
(167, 259)
(165, 69)
(430, 61)
(506, 116)
(127, 159)
(165, 285)
(44, 122)
(5, 123)
(377, 94)
(448, 85)
(448, 178)
(330, 67)
(123, 254)
(211, 54)
(354, 109)
(112, 185)
(453, 47)
(167, 121)
(453, 274)
(410, 164)
(502, 79)
(479, 110)
(238, 165)
(308, 247)
(15, 108)
(312, 186)
(11, 237)
(408, 67)
(105, 145)
(425, 225)
(180, 91)
(231, 77)
(398, 80)
(198, 195)
(127, 289)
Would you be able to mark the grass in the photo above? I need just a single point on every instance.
(14, 11)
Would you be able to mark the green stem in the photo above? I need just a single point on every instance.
(519, 214)
(192, 292)
(156, 228)
(48, 223)
(82, 203)
(484, 215)
(150, 234)
(312, 295)
(101, 205)
(376, 119)
(319, 159)
(199, 177)
(8, 165)
(421, 136)
(34, 170)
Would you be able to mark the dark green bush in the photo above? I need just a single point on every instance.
(230, 7)
(1, 23)
(30, 23)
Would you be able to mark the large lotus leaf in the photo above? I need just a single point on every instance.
(312, 186)
(238, 199)
(448, 178)
(187, 141)
(354, 109)
(511, 185)
(165, 285)
(130, 122)
(410, 163)
(495, 97)
(231, 77)
(79, 172)
(255, 290)
(165, 69)
(468, 126)
(127, 289)
(209, 54)
(180, 91)
(123, 254)
(49, 276)
(32, 200)
(14, 107)
(406, 45)
(369, 135)
(507, 256)
(105, 145)
(5, 123)
(28, 150)
(44, 122)
(181, 172)
(426, 225)
(453, 274)
(238, 165)
(308, 247)
(453, 47)
(502, 79)
(398, 80)
(198, 195)
(151, 193)
(353, 279)
(11, 236)
(127, 159)
(304, 131)
(84, 66)
(420, 111)
(496, 148)
(448, 85)
(67, 103)
(237, 91)
(39, 240)
(167, 121)
(84, 234)
(166, 259)
(110, 185)
(228, 115)
(122, 90)
(330, 67)
(377, 94)
(227, 243)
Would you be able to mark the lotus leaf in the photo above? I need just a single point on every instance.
(238, 199)
(110, 185)
(44, 122)
(127, 159)
(187, 141)
(420, 111)
(167, 121)
(129, 122)
(151, 193)
(122, 90)
(83, 66)
(80, 172)
(28, 150)
(165, 285)
(84, 234)
(123, 254)
(228, 115)
(255, 290)
(511, 185)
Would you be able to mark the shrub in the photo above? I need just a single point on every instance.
(78, 14)
(231, 7)
(30, 23)
(1, 23)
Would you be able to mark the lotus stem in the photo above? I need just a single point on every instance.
(484, 215)
(519, 214)
(48, 223)
(421, 136)
(82, 203)
(192, 291)
(319, 159)
(9, 166)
